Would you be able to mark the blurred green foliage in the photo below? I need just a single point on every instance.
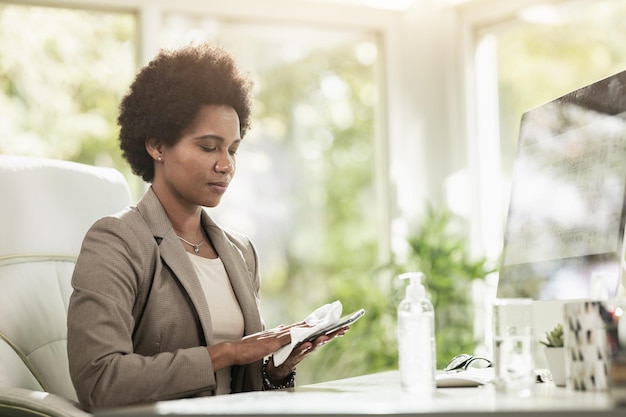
(333, 250)
(439, 249)
(62, 75)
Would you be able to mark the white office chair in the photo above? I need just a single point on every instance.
(46, 206)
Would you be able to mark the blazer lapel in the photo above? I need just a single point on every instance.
(238, 273)
(174, 255)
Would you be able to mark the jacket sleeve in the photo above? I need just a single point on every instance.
(104, 367)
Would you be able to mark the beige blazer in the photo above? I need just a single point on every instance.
(138, 321)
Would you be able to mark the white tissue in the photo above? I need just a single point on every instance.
(321, 317)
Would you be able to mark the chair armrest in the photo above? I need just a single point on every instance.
(26, 403)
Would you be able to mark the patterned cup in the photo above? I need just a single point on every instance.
(587, 356)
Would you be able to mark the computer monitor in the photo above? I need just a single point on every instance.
(564, 236)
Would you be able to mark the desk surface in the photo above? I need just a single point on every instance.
(381, 394)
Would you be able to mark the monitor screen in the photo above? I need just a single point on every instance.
(565, 226)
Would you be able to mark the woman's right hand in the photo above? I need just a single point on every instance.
(258, 345)
(251, 348)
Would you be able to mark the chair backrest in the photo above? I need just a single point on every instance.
(46, 206)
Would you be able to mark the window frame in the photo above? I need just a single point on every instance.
(480, 110)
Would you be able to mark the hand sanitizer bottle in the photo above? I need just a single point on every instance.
(416, 337)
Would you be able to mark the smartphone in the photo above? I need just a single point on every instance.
(336, 325)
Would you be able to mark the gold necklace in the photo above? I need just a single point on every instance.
(196, 248)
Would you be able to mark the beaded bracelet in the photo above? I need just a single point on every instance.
(288, 382)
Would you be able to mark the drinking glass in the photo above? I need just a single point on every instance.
(513, 345)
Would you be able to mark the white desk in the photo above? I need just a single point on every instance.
(380, 394)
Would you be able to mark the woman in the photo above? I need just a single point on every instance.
(165, 302)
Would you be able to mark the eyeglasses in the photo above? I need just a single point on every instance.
(464, 361)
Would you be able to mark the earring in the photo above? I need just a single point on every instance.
(160, 159)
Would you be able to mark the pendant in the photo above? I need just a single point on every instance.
(196, 249)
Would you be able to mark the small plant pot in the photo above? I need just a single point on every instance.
(555, 357)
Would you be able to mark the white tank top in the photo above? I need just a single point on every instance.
(226, 316)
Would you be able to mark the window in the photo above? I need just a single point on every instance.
(62, 74)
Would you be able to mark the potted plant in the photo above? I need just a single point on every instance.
(439, 249)
(555, 354)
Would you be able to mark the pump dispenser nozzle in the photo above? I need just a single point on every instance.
(415, 290)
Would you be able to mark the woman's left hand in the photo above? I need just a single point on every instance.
(279, 373)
